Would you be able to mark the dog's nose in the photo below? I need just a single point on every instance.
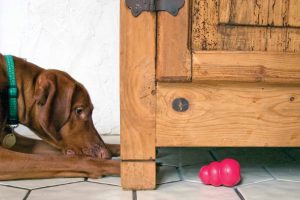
(70, 152)
(104, 154)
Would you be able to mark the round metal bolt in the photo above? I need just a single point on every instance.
(180, 105)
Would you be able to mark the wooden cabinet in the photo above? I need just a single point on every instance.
(235, 63)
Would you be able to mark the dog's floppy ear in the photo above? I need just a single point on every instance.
(53, 95)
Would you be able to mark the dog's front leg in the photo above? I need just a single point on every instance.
(15, 165)
(35, 146)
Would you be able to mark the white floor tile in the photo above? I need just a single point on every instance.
(110, 180)
(254, 174)
(287, 171)
(271, 190)
(188, 191)
(8, 193)
(38, 183)
(81, 191)
(190, 173)
(167, 174)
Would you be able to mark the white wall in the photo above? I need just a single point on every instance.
(80, 37)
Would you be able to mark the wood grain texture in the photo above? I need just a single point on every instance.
(265, 67)
(250, 25)
(137, 85)
(229, 115)
(205, 18)
(240, 38)
(293, 40)
(276, 39)
(173, 43)
(278, 12)
(250, 12)
(294, 13)
(224, 11)
(138, 175)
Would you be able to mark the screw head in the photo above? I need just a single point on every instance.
(180, 104)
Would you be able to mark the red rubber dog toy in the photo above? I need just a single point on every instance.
(227, 173)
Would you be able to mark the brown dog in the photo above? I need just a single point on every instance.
(58, 109)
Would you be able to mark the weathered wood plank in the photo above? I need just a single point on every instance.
(247, 114)
(276, 39)
(241, 38)
(278, 12)
(246, 25)
(293, 40)
(249, 12)
(205, 15)
(209, 34)
(294, 13)
(173, 43)
(224, 11)
(247, 67)
(138, 175)
(137, 85)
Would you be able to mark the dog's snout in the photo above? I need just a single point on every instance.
(70, 152)
(97, 151)
(104, 154)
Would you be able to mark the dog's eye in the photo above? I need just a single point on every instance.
(78, 110)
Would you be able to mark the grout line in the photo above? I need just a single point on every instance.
(193, 181)
(16, 187)
(168, 182)
(255, 182)
(212, 155)
(134, 196)
(288, 155)
(27, 195)
(50, 186)
(110, 184)
(178, 170)
(265, 168)
(287, 180)
(239, 194)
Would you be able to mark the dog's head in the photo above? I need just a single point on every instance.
(64, 113)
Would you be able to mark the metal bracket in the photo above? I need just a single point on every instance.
(138, 6)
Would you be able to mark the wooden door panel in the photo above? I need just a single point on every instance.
(293, 14)
(260, 12)
(244, 114)
(173, 62)
(248, 25)
(248, 12)
(233, 66)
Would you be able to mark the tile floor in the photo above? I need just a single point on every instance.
(267, 174)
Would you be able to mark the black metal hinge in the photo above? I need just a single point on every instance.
(138, 6)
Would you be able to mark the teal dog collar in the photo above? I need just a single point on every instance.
(12, 92)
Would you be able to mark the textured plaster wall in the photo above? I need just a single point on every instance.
(80, 37)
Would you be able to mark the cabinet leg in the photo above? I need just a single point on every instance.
(138, 175)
